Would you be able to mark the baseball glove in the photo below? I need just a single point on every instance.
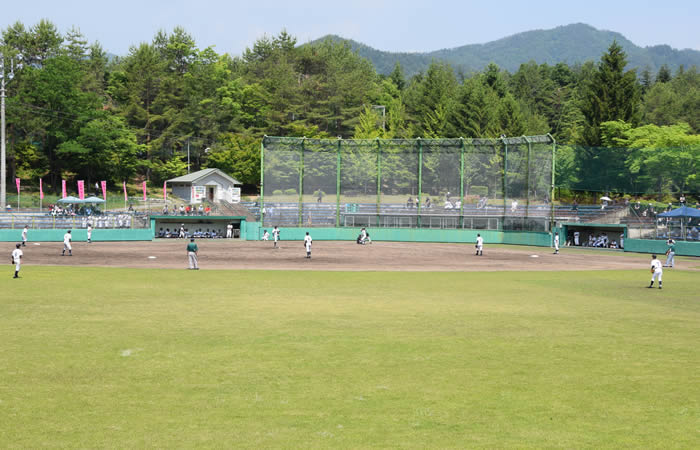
(652, 270)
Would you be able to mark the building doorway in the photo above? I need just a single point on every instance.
(211, 191)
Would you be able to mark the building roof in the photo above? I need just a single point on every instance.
(196, 176)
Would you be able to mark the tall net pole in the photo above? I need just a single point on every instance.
(262, 181)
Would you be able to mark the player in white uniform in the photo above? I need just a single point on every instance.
(89, 232)
(276, 235)
(556, 243)
(307, 245)
(577, 236)
(24, 235)
(479, 245)
(229, 231)
(17, 259)
(656, 271)
(265, 236)
(67, 238)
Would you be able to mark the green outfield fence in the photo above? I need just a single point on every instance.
(489, 184)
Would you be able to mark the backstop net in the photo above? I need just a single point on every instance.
(500, 184)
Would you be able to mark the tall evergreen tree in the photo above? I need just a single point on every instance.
(611, 94)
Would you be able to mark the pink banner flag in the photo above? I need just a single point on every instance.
(144, 191)
(104, 189)
(63, 188)
(81, 189)
(17, 181)
(165, 190)
(41, 189)
(125, 197)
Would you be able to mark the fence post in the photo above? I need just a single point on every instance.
(505, 177)
(461, 182)
(301, 183)
(420, 180)
(337, 183)
(527, 182)
(262, 180)
(551, 195)
(379, 181)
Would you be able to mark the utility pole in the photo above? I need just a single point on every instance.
(3, 156)
(383, 108)
(188, 155)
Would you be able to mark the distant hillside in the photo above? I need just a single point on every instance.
(576, 43)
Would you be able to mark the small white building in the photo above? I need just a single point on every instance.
(211, 185)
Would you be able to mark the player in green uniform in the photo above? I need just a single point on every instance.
(192, 254)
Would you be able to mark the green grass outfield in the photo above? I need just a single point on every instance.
(173, 358)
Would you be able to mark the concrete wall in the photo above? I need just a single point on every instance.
(182, 190)
(43, 235)
(659, 247)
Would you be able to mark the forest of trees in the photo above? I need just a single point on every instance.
(73, 113)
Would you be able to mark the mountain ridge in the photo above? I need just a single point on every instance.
(572, 44)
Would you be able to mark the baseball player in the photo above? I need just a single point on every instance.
(89, 232)
(479, 245)
(192, 254)
(656, 271)
(16, 259)
(229, 231)
(24, 235)
(670, 253)
(556, 243)
(577, 237)
(307, 244)
(67, 239)
(276, 235)
(265, 236)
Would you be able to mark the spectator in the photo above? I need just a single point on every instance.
(409, 202)
(682, 199)
(427, 202)
(207, 210)
(574, 206)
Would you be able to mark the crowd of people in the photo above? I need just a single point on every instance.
(576, 239)
(185, 233)
(187, 210)
(73, 210)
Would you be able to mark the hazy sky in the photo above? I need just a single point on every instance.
(231, 26)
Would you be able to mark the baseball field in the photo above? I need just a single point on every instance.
(388, 345)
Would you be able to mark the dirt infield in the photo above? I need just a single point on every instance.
(379, 256)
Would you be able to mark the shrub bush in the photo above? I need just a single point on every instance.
(479, 190)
